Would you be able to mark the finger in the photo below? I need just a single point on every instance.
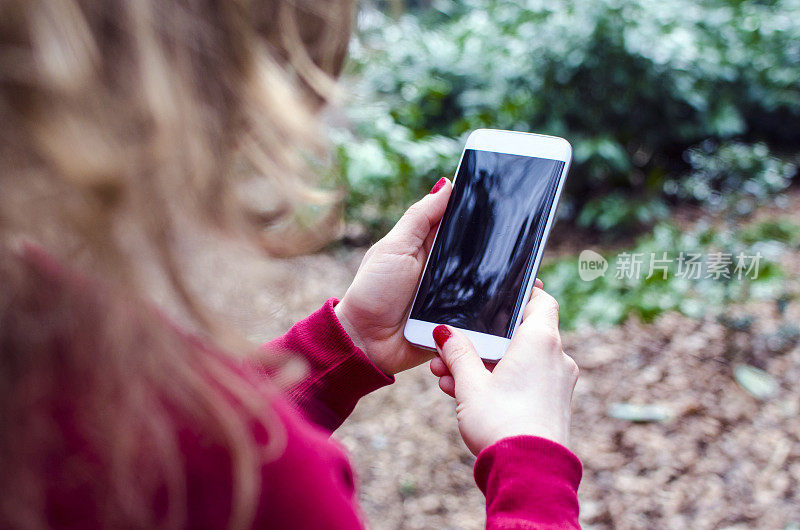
(448, 385)
(428, 244)
(460, 356)
(542, 309)
(539, 329)
(537, 284)
(438, 368)
(420, 219)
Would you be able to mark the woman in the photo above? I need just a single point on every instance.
(127, 123)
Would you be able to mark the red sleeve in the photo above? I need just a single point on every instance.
(529, 482)
(339, 373)
(306, 480)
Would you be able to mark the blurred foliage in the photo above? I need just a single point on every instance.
(662, 101)
(609, 300)
(734, 177)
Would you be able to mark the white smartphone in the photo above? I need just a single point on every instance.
(490, 242)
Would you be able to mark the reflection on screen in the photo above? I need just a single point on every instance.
(490, 233)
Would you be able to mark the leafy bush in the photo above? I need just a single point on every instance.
(631, 83)
(611, 298)
(389, 169)
(733, 176)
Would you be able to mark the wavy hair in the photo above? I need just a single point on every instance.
(124, 121)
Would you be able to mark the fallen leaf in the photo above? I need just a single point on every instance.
(639, 413)
(755, 382)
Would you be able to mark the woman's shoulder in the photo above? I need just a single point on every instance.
(127, 408)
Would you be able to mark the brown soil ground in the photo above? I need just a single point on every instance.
(725, 459)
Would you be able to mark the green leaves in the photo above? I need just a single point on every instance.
(632, 84)
(733, 176)
(613, 297)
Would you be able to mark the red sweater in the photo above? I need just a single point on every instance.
(529, 482)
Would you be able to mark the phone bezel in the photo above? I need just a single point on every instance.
(492, 347)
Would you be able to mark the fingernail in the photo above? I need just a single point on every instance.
(436, 187)
(440, 334)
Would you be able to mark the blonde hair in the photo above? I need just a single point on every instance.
(124, 121)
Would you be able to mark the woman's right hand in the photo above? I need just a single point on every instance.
(529, 391)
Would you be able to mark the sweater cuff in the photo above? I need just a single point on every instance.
(339, 372)
(528, 479)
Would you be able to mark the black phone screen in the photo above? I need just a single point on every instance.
(491, 230)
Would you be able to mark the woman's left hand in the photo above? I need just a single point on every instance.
(374, 308)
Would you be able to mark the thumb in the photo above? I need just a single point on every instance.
(460, 356)
(413, 228)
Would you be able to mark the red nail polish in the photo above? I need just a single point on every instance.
(438, 185)
(440, 334)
